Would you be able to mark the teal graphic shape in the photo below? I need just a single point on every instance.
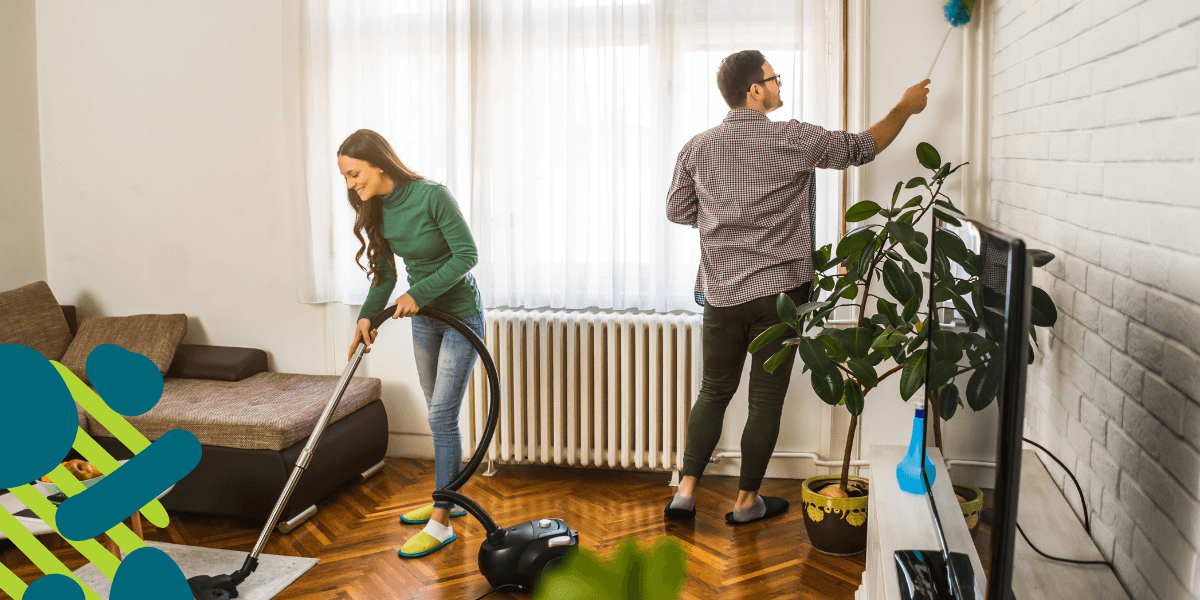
(37, 416)
(149, 574)
(128, 489)
(130, 383)
(54, 587)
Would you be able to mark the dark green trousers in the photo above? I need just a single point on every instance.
(728, 332)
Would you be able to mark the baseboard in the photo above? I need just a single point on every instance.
(410, 445)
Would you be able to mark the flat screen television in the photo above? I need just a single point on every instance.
(1003, 270)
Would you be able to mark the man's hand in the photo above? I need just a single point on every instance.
(915, 98)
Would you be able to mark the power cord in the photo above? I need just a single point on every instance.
(1087, 521)
(496, 589)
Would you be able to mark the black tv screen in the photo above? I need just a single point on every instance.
(979, 350)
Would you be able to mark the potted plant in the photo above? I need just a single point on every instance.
(846, 364)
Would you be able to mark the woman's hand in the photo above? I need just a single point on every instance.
(405, 307)
(363, 333)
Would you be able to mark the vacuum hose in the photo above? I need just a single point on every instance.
(450, 492)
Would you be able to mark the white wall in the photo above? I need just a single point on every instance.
(22, 241)
(164, 162)
(170, 163)
(170, 167)
(1096, 151)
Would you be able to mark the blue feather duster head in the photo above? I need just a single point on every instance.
(958, 12)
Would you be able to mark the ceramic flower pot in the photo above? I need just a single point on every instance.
(835, 526)
(971, 505)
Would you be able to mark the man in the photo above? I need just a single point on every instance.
(748, 185)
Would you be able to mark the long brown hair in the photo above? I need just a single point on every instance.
(368, 146)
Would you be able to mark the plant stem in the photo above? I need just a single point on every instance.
(846, 456)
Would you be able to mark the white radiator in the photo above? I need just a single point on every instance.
(588, 388)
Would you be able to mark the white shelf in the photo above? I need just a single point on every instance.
(898, 520)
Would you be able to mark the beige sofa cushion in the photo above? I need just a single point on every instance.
(153, 336)
(30, 316)
(267, 411)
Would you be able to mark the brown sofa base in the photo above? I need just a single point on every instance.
(232, 482)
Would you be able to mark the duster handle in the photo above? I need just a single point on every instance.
(949, 28)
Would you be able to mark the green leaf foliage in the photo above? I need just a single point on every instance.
(814, 355)
(947, 346)
(928, 156)
(916, 251)
(910, 309)
(832, 347)
(948, 401)
(950, 245)
(856, 341)
(657, 574)
(947, 217)
(829, 386)
(902, 232)
(786, 309)
(888, 309)
(771, 334)
(855, 241)
(897, 284)
(1043, 312)
(863, 372)
(862, 211)
(982, 387)
(915, 182)
(853, 398)
(912, 376)
(1040, 258)
(890, 337)
(778, 358)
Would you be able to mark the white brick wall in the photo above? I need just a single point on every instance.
(1096, 157)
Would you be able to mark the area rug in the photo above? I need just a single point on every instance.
(273, 575)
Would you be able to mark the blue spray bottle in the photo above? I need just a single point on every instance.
(908, 472)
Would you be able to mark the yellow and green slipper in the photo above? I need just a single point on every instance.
(422, 544)
(421, 515)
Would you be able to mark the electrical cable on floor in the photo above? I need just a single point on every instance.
(496, 589)
(1087, 523)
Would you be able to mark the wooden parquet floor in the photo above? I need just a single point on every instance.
(358, 530)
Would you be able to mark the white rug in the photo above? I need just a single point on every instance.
(273, 575)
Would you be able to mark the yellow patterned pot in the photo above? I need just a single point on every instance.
(835, 526)
(971, 506)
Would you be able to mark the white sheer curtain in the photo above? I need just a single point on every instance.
(556, 125)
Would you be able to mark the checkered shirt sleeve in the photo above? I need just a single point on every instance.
(749, 186)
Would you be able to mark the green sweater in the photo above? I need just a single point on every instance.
(423, 225)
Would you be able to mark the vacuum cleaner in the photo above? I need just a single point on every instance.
(513, 556)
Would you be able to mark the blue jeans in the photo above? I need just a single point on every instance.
(444, 362)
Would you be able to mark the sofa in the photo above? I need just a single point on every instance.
(252, 423)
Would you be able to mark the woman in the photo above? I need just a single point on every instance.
(403, 215)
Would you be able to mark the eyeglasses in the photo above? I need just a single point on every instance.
(776, 77)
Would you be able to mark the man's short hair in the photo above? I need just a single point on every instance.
(737, 73)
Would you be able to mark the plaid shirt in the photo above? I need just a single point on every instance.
(749, 186)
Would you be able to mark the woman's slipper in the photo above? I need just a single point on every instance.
(421, 515)
(775, 507)
(422, 544)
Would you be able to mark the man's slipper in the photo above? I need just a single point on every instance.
(678, 513)
(422, 544)
(775, 507)
(421, 515)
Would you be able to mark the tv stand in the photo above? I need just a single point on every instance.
(901, 521)
(898, 520)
